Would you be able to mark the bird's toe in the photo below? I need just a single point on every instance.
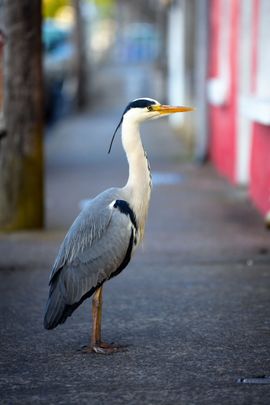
(104, 348)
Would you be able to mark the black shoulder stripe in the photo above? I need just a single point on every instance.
(124, 207)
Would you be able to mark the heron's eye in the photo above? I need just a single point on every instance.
(149, 108)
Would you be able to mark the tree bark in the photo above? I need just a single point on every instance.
(21, 152)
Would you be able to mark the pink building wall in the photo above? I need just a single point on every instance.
(223, 118)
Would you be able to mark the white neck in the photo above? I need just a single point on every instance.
(138, 186)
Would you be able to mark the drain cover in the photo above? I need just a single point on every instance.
(261, 379)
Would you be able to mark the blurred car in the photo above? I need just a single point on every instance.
(59, 72)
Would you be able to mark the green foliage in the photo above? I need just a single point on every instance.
(50, 7)
(105, 6)
(104, 3)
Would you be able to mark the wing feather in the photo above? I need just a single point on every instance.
(88, 227)
(94, 248)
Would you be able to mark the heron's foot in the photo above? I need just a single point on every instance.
(103, 348)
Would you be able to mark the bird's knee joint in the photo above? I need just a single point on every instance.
(96, 302)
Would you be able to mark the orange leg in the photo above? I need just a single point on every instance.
(96, 317)
(96, 344)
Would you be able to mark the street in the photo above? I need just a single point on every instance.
(192, 306)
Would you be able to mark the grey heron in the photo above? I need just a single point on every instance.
(104, 236)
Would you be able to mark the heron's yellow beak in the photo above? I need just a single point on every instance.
(169, 109)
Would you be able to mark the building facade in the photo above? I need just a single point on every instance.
(230, 68)
(238, 89)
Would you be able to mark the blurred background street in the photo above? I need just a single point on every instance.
(193, 305)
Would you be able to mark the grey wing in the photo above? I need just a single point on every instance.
(90, 260)
(86, 229)
(96, 263)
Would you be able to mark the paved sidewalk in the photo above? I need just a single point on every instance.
(193, 305)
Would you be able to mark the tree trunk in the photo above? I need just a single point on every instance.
(21, 158)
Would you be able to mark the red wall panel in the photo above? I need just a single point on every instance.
(260, 152)
(223, 118)
(260, 168)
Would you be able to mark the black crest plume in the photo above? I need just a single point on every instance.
(118, 126)
(138, 103)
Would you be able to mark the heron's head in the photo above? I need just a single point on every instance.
(144, 109)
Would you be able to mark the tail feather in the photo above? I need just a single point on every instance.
(55, 310)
